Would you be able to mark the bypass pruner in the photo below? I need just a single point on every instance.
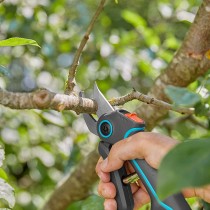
(113, 126)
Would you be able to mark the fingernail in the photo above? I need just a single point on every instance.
(104, 164)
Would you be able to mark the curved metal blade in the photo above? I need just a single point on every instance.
(89, 120)
(104, 106)
(91, 123)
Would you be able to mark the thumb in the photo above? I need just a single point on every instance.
(144, 145)
(120, 152)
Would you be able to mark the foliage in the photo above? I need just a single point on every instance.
(190, 160)
(6, 191)
(184, 158)
(131, 44)
(93, 202)
(182, 96)
(206, 205)
(17, 41)
(4, 71)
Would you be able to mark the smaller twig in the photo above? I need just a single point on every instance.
(196, 122)
(149, 100)
(73, 69)
(170, 123)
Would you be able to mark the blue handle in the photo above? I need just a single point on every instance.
(148, 176)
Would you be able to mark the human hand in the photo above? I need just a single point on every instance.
(144, 145)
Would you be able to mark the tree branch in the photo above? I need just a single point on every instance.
(149, 100)
(75, 188)
(72, 71)
(45, 99)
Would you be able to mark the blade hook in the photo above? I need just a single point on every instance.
(89, 119)
(104, 106)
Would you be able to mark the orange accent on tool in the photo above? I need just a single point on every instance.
(134, 117)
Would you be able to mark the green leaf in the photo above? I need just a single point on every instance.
(141, 25)
(74, 157)
(201, 109)
(17, 41)
(93, 202)
(182, 96)
(116, 1)
(75, 206)
(3, 174)
(7, 193)
(187, 165)
(206, 205)
(2, 156)
(134, 19)
(4, 71)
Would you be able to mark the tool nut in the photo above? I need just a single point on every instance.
(105, 128)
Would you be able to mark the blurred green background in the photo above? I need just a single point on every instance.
(131, 44)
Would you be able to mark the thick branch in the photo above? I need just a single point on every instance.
(45, 99)
(187, 65)
(80, 184)
(72, 71)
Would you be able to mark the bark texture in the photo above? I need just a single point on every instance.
(45, 99)
(79, 183)
(149, 100)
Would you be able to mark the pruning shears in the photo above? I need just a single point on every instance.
(113, 126)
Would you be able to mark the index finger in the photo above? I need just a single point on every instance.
(104, 176)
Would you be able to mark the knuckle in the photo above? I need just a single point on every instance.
(117, 146)
(97, 169)
(114, 148)
(99, 190)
